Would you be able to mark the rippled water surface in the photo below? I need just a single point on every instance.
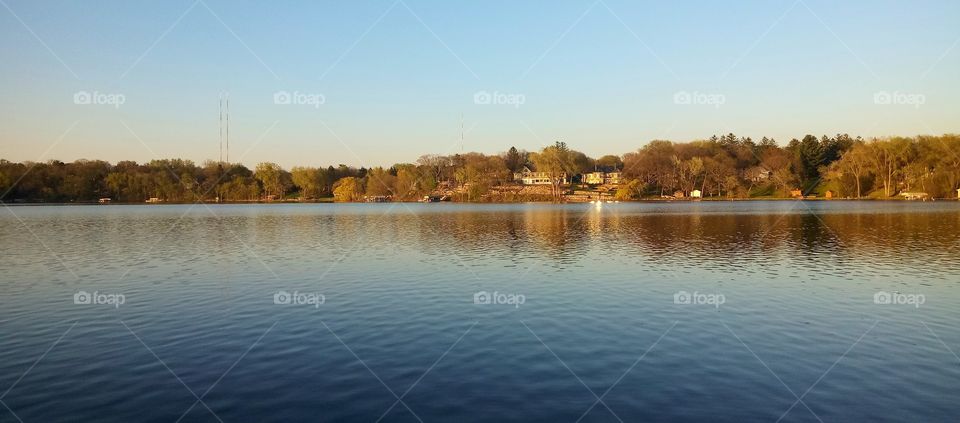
(790, 327)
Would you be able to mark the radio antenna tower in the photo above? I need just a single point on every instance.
(228, 126)
(221, 128)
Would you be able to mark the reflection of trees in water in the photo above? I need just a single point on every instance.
(566, 235)
(722, 236)
(559, 234)
(840, 238)
(555, 234)
(814, 236)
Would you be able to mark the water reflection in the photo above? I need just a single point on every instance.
(566, 235)
(497, 235)
(799, 281)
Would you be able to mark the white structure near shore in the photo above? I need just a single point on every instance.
(601, 178)
(529, 177)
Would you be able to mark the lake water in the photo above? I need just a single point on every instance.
(710, 311)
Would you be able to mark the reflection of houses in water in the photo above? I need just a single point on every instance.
(545, 237)
(528, 177)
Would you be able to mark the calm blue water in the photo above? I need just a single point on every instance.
(784, 308)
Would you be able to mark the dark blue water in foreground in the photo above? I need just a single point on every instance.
(797, 334)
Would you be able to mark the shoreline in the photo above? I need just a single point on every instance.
(646, 200)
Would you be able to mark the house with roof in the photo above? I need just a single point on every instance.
(528, 177)
(601, 178)
(758, 174)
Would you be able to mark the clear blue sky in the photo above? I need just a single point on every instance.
(396, 76)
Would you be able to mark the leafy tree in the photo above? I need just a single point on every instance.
(379, 182)
(311, 181)
(347, 189)
(557, 162)
(855, 162)
(609, 163)
(270, 177)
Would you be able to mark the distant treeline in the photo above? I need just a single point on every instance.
(722, 166)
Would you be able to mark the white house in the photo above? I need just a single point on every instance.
(593, 178)
(696, 194)
(601, 178)
(758, 174)
(529, 177)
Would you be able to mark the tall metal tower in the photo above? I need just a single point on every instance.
(228, 126)
(224, 126)
(221, 128)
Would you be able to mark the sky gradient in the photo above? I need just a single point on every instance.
(394, 76)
